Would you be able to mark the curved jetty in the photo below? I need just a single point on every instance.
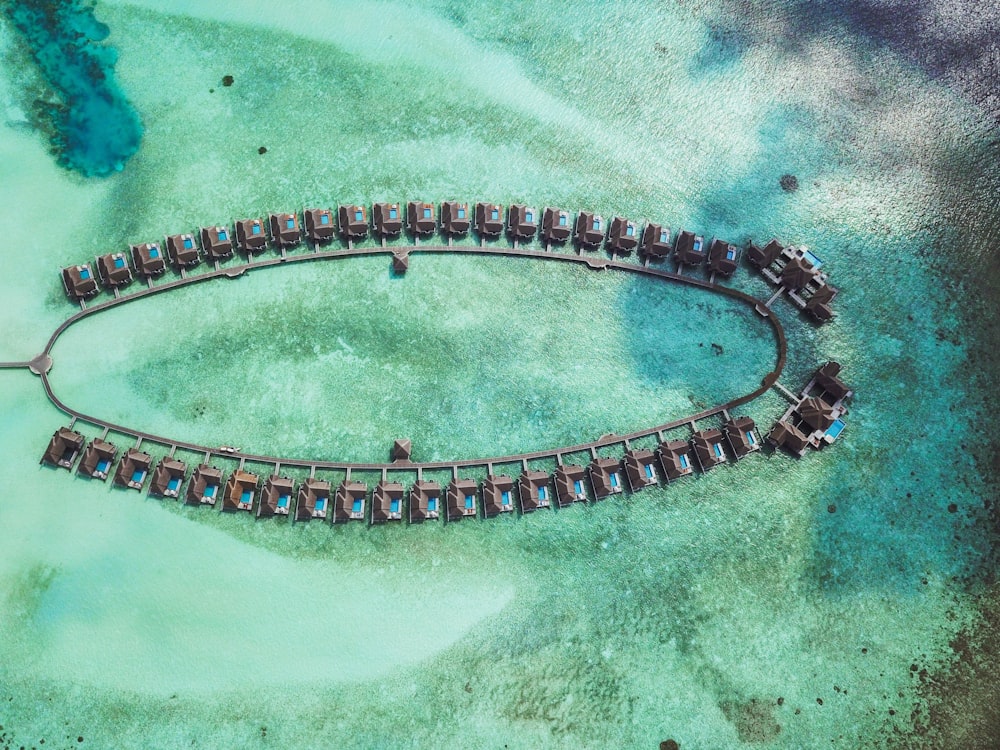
(815, 417)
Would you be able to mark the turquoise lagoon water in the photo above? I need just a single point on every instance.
(775, 603)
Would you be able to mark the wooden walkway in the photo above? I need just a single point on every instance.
(41, 364)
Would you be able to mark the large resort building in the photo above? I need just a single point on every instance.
(817, 418)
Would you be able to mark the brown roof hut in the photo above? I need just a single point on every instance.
(314, 499)
(455, 218)
(569, 485)
(788, 436)
(708, 448)
(63, 449)
(655, 242)
(425, 501)
(461, 498)
(676, 458)
(133, 469)
(533, 490)
(741, 433)
(498, 495)
(148, 259)
(79, 282)
(815, 414)
(606, 477)
(319, 225)
(168, 476)
(421, 218)
(217, 243)
(556, 225)
(251, 236)
(689, 248)
(762, 257)
(387, 219)
(829, 386)
(522, 221)
(797, 273)
(349, 502)
(276, 496)
(285, 230)
(818, 304)
(114, 270)
(589, 230)
(639, 468)
(401, 449)
(623, 236)
(203, 489)
(240, 489)
(723, 258)
(97, 459)
(182, 250)
(489, 219)
(400, 262)
(387, 502)
(353, 222)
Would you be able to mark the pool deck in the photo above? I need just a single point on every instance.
(41, 364)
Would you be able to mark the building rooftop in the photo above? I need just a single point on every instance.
(676, 458)
(589, 232)
(276, 497)
(285, 230)
(489, 219)
(353, 222)
(455, 218)
(63, 448)
(114, 270)
(522, 221)
(708, 448)
(741, 433)
(217, 243)
(168, 478)
(498, 495)
(421, 218)
(387, 219)
(425, 501)
(655, 242)
(723, 258)
(606, 477)
(689, 249)
(623, 236)
(570, 488)
(205, 485)
(251, 236)
(533, 490)
(314, 499)
(79, 281)
(149, 259)
(764, 256)
(240, 490)
(640, 468)
(133, 469)
(319, 223)
(788, 436)
(97, 459)
(349, 502)
(387, 502)
(461, 499)
(182, 250)
(557, 225)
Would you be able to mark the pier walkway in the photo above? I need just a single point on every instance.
(41, 364)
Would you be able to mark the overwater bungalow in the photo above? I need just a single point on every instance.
(401, 449)
(788, 436)
(522, 221)
(420, 218)
(623, 236)
(689, 249)
(818, 304)
(489, 219)
(240, 489)
(203, 489)
(455, 218)
(723, 258)
(461, 499)
(97, 459)
(63, 449)
(498, 495)
(251, 236)
(276, 496)
(216, 243)
(676, 458)
(741, 434)
(319, 225)
(797, 273)
(349, 502)
(557, 225)
(79, 282)
(762, 257)
(589, 232)
(569, 480)
(148, 259)
(387, 219)
(285, 230)
(168, 476)
(606, 477)
(182, 249)
(114, 270)
(425, 501)
(815, 415)
(655, 242)
(313, 500)
(387, 502)
(353, 222)
(133, 469)
(640, 468)
(708, 448)
(400, 262)
(533, 490)
(828, 385)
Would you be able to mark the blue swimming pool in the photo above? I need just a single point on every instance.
(154, 252)
(119, 263)
(255, 229)
(649, 470)
(188, 243)
(290, 223)
(835, 429)
(577, 487)
(357, 506)
(223, 235)
(541, 493)
(394, 506)
(432, 505)
(246, 497)
(284, 500)
(173, 484)
(102, 465)
(470, 502)
(324, 218)
(320, 503)
(138, 476)
(84, 273)
(816, 262)
(210, 490)
(505, 497)
(614, 479)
